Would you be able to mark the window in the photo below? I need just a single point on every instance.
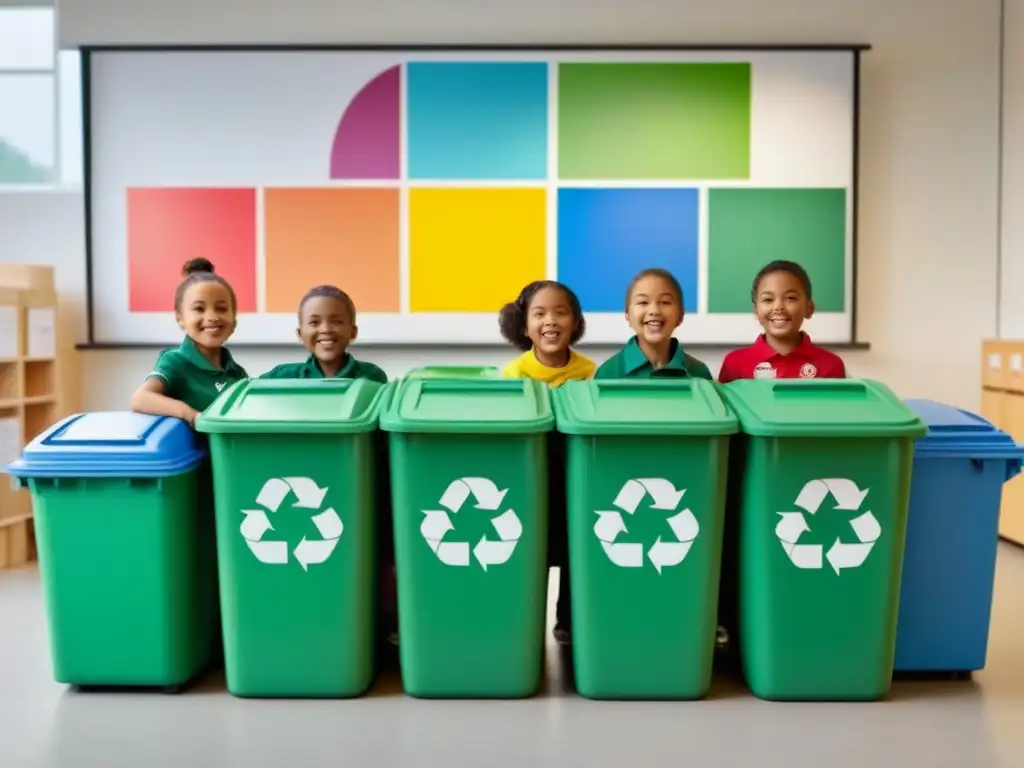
(40, 103)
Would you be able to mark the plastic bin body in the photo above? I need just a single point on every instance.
(646, 486)
(952, 535)
(469, 489)
(454, 372)
(298, 598)
(123, 540)
(822, 503)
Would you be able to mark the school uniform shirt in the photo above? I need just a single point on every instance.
(350, 369)
(191, 378)
(527, 366)
(631, 363)
(760, 361)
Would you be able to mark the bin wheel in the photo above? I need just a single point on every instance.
(173, 690)
(962, 674)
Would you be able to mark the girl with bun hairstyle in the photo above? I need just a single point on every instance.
(545, 321)
(186, 379)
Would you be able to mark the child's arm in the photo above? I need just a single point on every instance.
(151, 398)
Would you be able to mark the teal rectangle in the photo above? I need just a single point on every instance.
(668, 121)
(750, 227)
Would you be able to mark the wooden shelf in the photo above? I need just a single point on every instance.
(37, 380)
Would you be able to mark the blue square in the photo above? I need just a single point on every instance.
(477, 121)
(606, 236)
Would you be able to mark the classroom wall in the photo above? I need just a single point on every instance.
(929, 162)
(1011, 293)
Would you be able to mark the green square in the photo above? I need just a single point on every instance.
(748, 228)
(675, 121)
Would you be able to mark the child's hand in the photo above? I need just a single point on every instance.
(188, 414)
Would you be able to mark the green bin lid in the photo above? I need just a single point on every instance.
(469, 406)
(295, 406)
(453, 372)
(821, 408)
(642, 407)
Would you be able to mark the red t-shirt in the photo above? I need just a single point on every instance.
(760, 361)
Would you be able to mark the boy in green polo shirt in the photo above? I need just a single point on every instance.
(186, 380)
(327, 325)
(654, 309)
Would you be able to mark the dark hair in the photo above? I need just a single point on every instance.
(512, 318)
(781, 266)
(329, 292)
(201, 271)
(664, 274)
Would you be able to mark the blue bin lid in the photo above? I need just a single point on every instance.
(111, 444)
(956, 433)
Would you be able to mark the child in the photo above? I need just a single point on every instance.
(186, 380)
(327, 325)
(781, 295)
(545, 321)
(654, 309)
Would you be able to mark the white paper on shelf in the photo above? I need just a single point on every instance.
(42, 342)
(10, 440)
(8, 333)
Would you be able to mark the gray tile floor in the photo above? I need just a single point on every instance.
(972, 724)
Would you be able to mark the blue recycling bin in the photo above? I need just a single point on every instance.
(126, 543)
(949, 562)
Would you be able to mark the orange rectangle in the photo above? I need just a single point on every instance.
(347, 237)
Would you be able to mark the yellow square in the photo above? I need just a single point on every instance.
(473, 249)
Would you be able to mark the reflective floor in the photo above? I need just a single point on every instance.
(976, 723)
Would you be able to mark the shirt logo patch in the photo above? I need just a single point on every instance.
(220, 385)
(764, 371)
(808, 371)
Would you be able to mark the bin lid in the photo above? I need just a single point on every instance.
(642, 407)
(454, 372)
(111, 444)
(469, 406)
(954, 433)
(295, 406)
(821, 408)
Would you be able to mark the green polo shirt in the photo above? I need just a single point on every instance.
(350, 369)
(191, 378)
(631, 363)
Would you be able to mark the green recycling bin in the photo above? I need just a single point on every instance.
(821, 499)
(454, 372)
(294, 475)
(469, 493)
(646, 484)
(125, 549)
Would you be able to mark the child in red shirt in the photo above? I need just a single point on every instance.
(781, 295)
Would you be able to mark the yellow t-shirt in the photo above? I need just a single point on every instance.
(527, 366)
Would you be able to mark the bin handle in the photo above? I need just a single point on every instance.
(644, 385)
(830, 386)
(464, 385)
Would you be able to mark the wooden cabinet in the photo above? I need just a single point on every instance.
(1002, 403)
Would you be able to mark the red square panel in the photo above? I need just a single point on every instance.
(169, 226)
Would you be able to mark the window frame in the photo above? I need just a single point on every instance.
(59, 179)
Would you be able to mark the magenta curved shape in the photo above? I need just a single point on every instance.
(366, 142)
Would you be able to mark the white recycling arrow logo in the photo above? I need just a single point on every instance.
(436, 524)
(308, 495)
(662, 554)
(841, 554)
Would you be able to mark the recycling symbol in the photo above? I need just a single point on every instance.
(437, 523)
(662, 554)
(308, 495)
(841, 554)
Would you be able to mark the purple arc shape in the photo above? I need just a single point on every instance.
(366, 142)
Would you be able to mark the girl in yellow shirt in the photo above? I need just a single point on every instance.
(545, 321)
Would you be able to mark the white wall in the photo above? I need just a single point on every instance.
(929, 162)
(1011, 298)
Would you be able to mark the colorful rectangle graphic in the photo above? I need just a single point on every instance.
(446, 184)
